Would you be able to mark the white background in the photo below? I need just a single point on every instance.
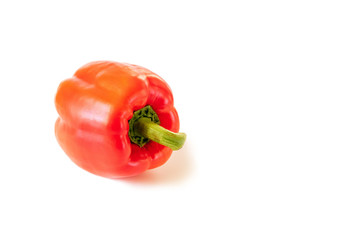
(267, 92)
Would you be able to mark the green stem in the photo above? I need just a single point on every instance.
(145, 127)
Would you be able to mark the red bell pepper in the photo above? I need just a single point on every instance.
(116, 120)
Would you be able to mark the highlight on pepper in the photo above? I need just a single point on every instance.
(116, 119)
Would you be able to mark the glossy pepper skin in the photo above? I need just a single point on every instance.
(95, 106)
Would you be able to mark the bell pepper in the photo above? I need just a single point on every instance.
(116, 120)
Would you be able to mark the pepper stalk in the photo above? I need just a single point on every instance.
(144, 126)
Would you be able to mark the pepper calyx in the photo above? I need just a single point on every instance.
(145, 112)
